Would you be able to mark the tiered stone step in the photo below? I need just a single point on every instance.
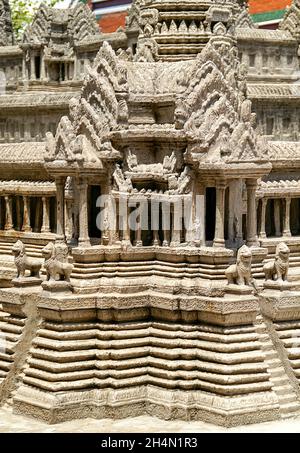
(281, 384)
(11, 329)
(33, 250)
(183, 357)
(289, 334)
(147, 269)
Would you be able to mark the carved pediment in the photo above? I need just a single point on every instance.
(63, 147)
(78, 23)
(84, 138)
(168, 166)
(132, 19)
(40, 29)
(242, 18)
(82, 23)
(291, 20)
(213, 110)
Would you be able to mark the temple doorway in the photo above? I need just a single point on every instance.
(94, 193)
(210, 213)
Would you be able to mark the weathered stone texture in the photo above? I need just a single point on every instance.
(189, 110)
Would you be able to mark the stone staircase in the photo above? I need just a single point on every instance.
(288, 397)
(33, 250)
(11, 328)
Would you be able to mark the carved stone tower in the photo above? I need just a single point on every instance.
(175, 31)
(6, 30)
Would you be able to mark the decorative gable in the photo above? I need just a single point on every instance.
(212, 107)
(291, 20)
(84, 138)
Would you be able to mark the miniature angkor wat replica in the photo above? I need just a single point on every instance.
(150, 214)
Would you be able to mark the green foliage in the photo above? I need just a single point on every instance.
(23, 12)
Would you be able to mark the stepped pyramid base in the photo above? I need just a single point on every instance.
(146, 400)
(86, 360)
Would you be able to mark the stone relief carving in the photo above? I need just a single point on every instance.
(221, 124)
(278, 268)
(168, 166)
(122, 184)
(80, 23)
(101, 108)
(147, 51)
(129, 105)
(181, 184)
(132, 19)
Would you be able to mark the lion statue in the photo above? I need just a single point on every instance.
(57, 263)
(278, 268)
(240, 273)
(24, 263)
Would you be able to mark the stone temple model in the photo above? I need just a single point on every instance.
(189, 115)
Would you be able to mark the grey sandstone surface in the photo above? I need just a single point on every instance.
(197, 321)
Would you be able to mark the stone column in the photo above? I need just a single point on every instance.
(277, 217)
(32, 67)
(38, 214)
(138, 233)
(262, 233)
(235, 215)
(251, 213)
(26, 215)
(46, 215)
(8, 214)
(19, 214)
(287, 218)
(84, 240)
(68, 219)
(177, 223)
(124, 214)
(43, 69)
(60, 207)
(259, 62)
(24, 68)
(219, 240)
(166, 223)
(112, 206)
(199, 214)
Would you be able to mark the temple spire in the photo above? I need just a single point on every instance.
(6, 28)
(172, 31)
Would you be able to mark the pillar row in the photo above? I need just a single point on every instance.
(219, 240)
